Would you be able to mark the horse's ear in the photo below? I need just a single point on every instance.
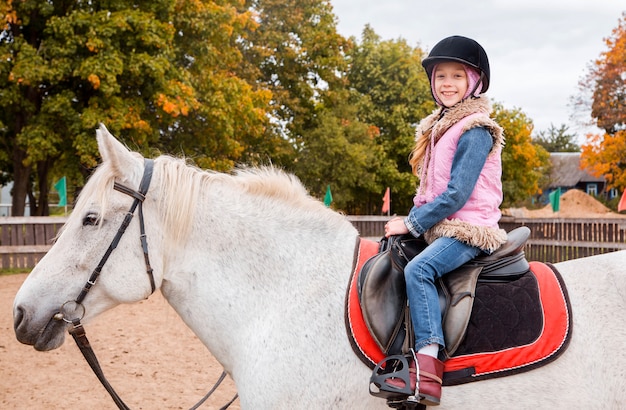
(113, 151)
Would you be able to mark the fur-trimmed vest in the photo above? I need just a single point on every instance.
(476, 223)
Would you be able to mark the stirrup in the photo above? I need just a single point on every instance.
(393, 367)
(409, 403)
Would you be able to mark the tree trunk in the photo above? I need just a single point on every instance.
(43, 206)
(21, 178)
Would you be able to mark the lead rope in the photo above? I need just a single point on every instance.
(78, 331)
(80, 337)
(210, 392)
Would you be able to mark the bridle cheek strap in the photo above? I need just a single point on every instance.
(139, 197)
(77, 330)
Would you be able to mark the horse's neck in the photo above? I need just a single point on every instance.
(243, 267)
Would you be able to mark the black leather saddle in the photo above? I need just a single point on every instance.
(382, 289)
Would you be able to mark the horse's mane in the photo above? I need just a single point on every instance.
(182, 184)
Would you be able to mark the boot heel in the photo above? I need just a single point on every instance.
(430, 379)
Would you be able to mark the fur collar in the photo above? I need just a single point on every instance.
(443, 118)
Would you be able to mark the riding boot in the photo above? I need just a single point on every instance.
(431, 375)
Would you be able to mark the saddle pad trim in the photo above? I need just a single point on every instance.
(557, 318)
(362, 342)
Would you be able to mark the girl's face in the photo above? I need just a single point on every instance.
(450, 82)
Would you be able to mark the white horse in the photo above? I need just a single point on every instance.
(258, 269)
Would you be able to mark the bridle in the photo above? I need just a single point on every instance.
(73, 311)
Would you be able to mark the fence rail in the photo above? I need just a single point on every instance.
(558, 240)
(25, 240)
(551, 239)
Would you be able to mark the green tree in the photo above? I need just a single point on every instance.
(557, 140)
(524, 164)
(297, 53)
(341, 151)
(395, 97)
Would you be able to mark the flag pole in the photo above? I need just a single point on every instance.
(387, 202)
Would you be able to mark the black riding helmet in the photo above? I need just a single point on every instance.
(461, 49)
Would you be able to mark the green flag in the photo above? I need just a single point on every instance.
(328, 198)
(61, 188)
(555, 199)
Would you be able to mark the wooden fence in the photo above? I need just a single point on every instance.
(551, 239)
(558, 240)
(24, 241)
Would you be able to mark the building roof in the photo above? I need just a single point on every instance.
(566, 170)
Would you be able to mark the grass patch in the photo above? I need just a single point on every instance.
(13, 271)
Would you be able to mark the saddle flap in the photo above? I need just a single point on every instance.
(459, 286)
(383, 298)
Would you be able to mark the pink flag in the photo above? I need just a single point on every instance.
(622, 203)
(386, 201)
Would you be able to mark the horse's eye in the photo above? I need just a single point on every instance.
(90, 219)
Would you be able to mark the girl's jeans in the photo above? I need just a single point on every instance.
(440, 257)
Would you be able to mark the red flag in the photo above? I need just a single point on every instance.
(386, 201)
(622, 203)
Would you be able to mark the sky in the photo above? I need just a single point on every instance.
(538, 50)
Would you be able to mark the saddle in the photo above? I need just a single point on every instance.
(382, 289)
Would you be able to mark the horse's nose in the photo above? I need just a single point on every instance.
(19, 325)
(18, 316)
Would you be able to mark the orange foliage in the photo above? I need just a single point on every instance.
(94, 80)
(607, 76)
(373, 131)
(180, 103)
(10, 15)
(605, 155)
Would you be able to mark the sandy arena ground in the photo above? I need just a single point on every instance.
(150, 357)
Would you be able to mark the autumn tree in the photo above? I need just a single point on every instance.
(65, 67)
(605, 155)
(524, 164)
(609, 82)
(297, 54)
(228, 124)
(142, 68)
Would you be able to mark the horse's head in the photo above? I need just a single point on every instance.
(48, 295)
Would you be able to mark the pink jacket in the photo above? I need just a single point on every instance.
(476, 222)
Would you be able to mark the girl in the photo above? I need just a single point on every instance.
(457, 158)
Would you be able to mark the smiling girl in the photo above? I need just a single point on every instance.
(457, 157)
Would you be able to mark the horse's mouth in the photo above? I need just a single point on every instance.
(47, 337)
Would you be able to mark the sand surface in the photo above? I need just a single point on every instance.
(150, 357)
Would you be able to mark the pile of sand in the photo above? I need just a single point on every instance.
(573, 204)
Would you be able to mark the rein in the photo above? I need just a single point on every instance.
(75, 309)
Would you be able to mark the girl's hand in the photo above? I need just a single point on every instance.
(395, 226)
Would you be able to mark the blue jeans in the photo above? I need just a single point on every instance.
(440, 257)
